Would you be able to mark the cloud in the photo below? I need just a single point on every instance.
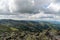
(30, 9)
(55, 7)
(22, 6)
(30, 6)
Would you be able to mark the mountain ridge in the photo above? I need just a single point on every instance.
(31, 25)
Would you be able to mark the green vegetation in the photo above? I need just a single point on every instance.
(28, 30)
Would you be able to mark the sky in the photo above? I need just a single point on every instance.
(30, 9)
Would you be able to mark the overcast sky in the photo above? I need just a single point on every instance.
(30, 9)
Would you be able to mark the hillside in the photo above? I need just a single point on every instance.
(24, 30)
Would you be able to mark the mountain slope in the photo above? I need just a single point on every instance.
(28, 30)
(29, 25)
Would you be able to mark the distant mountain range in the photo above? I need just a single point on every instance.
(30, 25)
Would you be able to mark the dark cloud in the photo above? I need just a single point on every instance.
(57, 1)
(47, 17)
(27, 9)
(25, 6)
